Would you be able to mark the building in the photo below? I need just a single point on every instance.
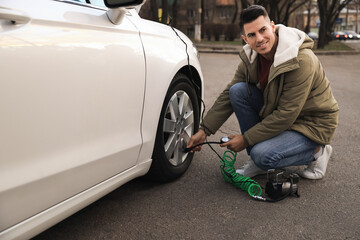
(220, 18)
(188, 13)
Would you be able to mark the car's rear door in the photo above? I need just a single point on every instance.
(71, 97)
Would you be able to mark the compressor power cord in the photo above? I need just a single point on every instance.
(245, 183)
(229, 173)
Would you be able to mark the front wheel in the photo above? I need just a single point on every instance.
(179, 120)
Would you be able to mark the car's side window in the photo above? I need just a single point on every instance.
(99, 3)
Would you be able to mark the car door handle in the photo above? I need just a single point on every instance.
(13, 15)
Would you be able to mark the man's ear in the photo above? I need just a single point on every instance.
(272, 24)
(244, 38)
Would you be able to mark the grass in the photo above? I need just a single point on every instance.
(237, 43)
(336, 46)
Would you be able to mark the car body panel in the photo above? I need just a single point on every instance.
(80, 109)
(352, 35)
(313, 35)
(160, 67)
(80, 120)
(40, 222)
(340, 35)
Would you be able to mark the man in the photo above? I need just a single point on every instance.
(281, 98)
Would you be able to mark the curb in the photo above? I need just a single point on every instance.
(336, 52)
(219, 51)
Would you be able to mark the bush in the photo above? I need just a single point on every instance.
(232, 31)
(207, 31)
(218, 30)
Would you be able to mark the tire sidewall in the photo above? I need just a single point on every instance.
(164, 168)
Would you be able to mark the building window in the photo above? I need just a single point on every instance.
(225, 13)
(190, 32)
(190, 13)
(206, 14)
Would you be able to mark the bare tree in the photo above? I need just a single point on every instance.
(309, 7)
(329, 11)
(244, 4)
(280, 10)
(154, 10)
(287, 8)
(174, 10)
(236, 11)
(165, 11)
(168, 10)
(357, 2)
(202, 12)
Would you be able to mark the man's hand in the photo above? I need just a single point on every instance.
(236, 143)
(197, 138)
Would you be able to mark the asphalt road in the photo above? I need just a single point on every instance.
(201, 205)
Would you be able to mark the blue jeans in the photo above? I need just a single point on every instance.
(289, 148)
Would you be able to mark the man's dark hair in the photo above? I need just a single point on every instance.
(250, 14)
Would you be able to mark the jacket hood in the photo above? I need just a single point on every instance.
(290, 41)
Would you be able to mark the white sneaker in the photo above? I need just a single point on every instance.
(250, 169)
(317, 168)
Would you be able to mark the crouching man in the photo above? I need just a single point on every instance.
(282, 100)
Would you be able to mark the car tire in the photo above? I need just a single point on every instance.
(179, 120)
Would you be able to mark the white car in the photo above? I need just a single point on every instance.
(90, 98)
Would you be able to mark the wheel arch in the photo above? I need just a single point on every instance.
(148, 131)
(192, 73)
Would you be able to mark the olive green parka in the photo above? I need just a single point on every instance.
(297, 97)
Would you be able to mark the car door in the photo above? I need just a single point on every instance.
(71, 98)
